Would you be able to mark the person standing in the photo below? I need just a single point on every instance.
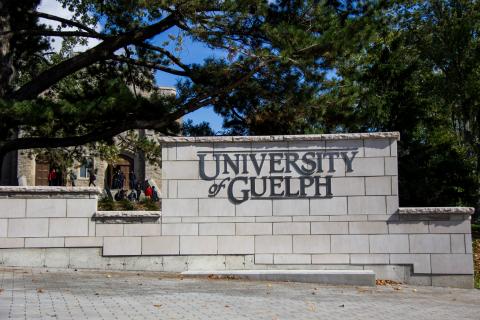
(73, 177)
(133, 180)
(92, 178)
(52, 177)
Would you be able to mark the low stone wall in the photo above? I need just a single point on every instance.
(345, 217)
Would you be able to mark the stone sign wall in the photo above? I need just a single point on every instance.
(281, 202)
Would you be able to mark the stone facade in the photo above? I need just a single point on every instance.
(342, 215)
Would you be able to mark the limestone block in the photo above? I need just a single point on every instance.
(350, 217)
(369, 259)
(290, 207)
(264, 258)
(429, 243)
(172, 219)
(198, 245)
(329, 227)
(453, 281)
(175, 263)
(450, 226)
(247, 229)
(24, 257)
(175, 229)
(330, 258)
(367, 167)
(214, 229)
(164, 245)
(11, 243)
(378, 186)
(468, 243)
(81, 207)
(12, 208)
(188, 151)
(173, 170)
(193, 188)
(108, 230)
(391, 166)
(91, 227)
(273, 244)
(89, 258)
(377, 147)
(348, 186)
(349, 244)
(32, 227)
(43, 208)
(311, 244)
(179, 207)
(57, 258)
(206, 263)
(408, 227)
(122, 246)
(142, 229)
(68, 227)
(389, 243)
(420, 262)
(273, 219)
(368, 227)
(381, 217)
(310, 218)
(291, 228)
(394, 185)
(367, 205)
(355, 145)
(3, 227)
(172, 186)
(452, 264)
(235, 262)
(457, 243)
(44, 242)
(332, 206)
(81, 242)
(236, 245)
(254, 208)
(216, 208)
(292, 259)
(393, 147)
(392, 204)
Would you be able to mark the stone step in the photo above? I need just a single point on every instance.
(332, 277)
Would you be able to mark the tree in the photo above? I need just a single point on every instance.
(71, 98)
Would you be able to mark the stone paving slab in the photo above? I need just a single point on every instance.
(61, 294)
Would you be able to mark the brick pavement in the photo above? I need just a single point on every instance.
(61, 294)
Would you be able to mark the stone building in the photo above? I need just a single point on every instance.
(23, 168)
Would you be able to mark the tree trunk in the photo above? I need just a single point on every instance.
(6, 55)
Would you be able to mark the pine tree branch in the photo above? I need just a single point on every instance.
(65, 21)
(100, 52)
(149, 65)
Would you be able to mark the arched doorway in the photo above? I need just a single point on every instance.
(123, 164)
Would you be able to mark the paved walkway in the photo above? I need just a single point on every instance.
(42, 294)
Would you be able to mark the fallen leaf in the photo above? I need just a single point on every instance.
(414, 290)
(97, 294)
(341, 306)
(269, 285)
(1, 290)
(109, 276)
(397, 288)
(40, 290)
(157, 305)
(227, 306)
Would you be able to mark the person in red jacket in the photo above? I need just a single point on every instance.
(52, 177)
(148, 192)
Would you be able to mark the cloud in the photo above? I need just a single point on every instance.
(55, 8)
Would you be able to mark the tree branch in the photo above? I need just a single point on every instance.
(63, 20)
(149, 65)
(100, 52)
(166, 53)
(54, 33)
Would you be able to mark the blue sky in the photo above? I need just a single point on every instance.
(191, 52)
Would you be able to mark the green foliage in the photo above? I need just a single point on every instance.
(149, 204)
(197, 130)
(106, 204)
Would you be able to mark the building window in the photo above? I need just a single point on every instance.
(85, 168)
